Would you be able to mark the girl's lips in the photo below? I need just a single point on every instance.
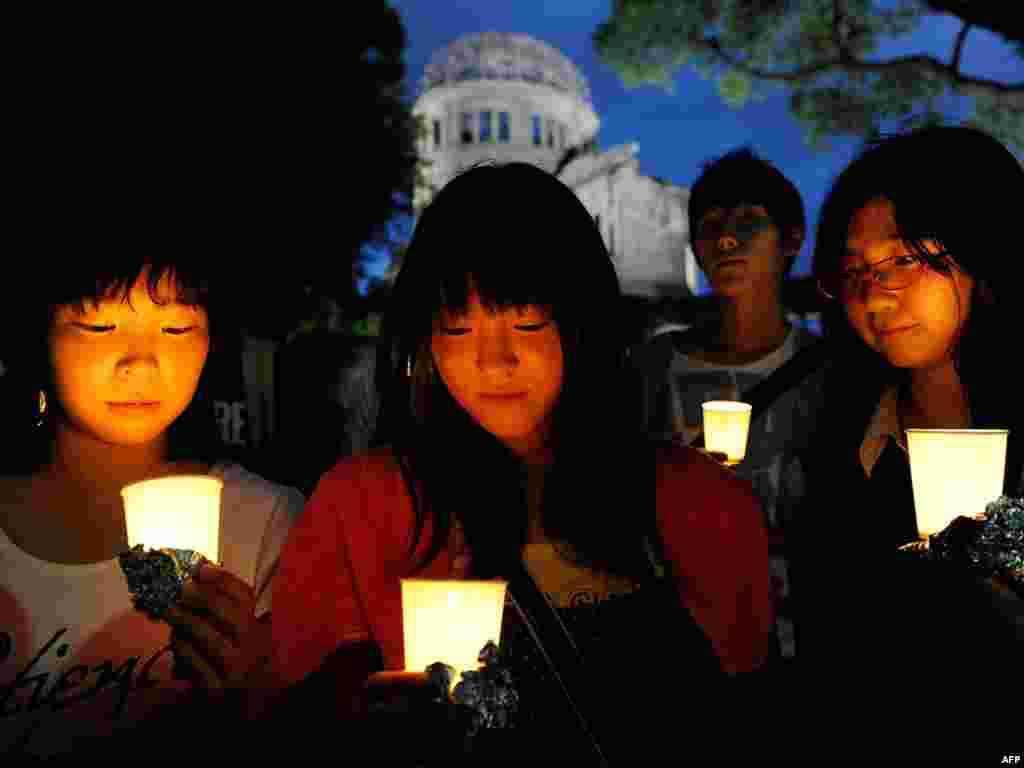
(893, 331)
(140, 405)
(503, 395)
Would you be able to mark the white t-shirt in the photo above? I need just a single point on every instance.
(774, 437)
(78, 661)
(774, 444)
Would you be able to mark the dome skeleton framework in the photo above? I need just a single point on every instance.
(508, 97)
(504, 56)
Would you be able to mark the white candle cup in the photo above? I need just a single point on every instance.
(954, 472)
(726, 426)
(178, 512)
(450, 622)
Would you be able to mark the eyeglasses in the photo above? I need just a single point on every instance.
(892, 274)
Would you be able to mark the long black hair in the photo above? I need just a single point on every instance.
(961, 188)
(79, 282)
(519, 237)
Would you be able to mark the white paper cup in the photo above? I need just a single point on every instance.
(954, 472)
(726, 426)
(178, 512)
(450, 621)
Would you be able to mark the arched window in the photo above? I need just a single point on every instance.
(466, 134)
(538, 139)
(504, 134)
(485, 126)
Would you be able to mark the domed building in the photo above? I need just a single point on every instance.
(510, 97)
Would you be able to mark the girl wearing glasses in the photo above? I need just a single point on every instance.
(915, 251)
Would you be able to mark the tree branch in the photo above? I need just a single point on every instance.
(838, 17)
(843, 32)
(1003, 18)
(927, 63)
(958, 47)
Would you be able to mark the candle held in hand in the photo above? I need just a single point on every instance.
(178, 512)
(726, 426)
(450, 622)
(954, 472)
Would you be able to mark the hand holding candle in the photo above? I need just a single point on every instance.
(178, 519)
(211, 610)
(216, 633)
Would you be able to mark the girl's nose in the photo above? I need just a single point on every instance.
(877, 300)
(138, 359)
(495, 350)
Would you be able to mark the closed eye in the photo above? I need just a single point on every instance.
(532, 326)
(94, 328)
(455, 331)
(179, 331)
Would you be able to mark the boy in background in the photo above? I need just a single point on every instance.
(747, 227)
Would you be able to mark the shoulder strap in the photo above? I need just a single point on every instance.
(652, 359)
(681, 340)
(555, 644)
(788, 375)
(653, 542)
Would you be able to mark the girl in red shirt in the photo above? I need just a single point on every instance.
(507, 436)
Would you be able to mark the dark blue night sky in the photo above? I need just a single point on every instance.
(678, 131)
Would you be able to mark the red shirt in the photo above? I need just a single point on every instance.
(340, 568)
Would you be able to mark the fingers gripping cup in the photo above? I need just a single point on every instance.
(173, 526)
(726, 426)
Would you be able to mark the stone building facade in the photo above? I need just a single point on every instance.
(509, 97)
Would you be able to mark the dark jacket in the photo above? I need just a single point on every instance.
(905, 633)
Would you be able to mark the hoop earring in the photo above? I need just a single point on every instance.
(421, 374)
(423, 366)
(42, 407)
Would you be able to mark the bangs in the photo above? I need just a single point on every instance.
(515, 235)
(723, 193)
(91, 283)
(507, 278)
(739, 178)
(727, 196)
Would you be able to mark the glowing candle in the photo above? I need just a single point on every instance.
(179, 512)
(954, 472)
(450, 621)
(726, 426)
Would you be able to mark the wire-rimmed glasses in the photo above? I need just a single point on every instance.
(892, 274)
